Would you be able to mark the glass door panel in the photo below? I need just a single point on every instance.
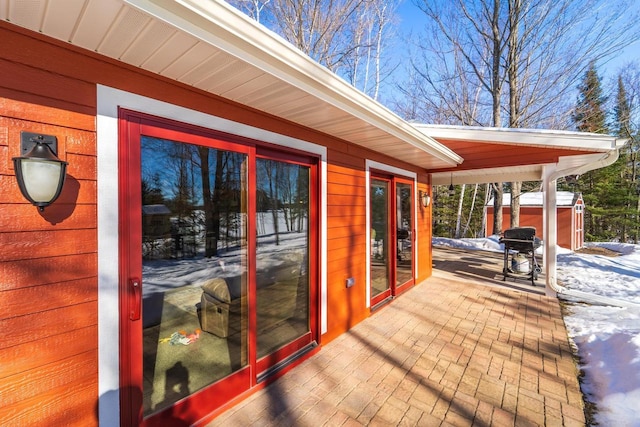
(404, 234)
(218, 268)
(282, 259)
(194, 268)
(380, 240)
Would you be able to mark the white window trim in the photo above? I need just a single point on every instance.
(108, 101)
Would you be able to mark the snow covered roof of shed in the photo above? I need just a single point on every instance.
(155, 210)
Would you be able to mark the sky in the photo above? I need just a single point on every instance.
(411, 20)
(603, 323)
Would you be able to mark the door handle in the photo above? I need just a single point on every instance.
(136, 301)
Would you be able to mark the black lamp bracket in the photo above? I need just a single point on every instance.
(28, 140)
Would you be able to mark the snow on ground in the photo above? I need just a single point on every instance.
(607, 336)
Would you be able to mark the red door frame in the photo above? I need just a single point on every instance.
(402, 287)
(268, 362)
(389, 248)
(392, 232)
(201, 403)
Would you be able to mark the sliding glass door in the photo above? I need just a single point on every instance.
(283, 249)
(218, 268)
(194, 268)
(381, 243)
(391, 207)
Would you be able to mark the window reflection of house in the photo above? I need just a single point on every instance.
(156, 220)
(156, 230)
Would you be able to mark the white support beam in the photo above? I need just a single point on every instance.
(550, 230)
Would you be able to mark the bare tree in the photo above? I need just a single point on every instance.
(539, 49)
(372, 34)
(253, 8)
(349, 37)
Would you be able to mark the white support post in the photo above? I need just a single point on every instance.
(550, 230)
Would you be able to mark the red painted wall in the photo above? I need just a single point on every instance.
(48, 262)
(531, 216)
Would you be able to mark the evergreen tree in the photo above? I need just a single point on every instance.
(598, 186)
(589, 114)
(622, 111)
(628, 164)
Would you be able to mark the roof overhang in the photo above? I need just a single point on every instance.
(510, 155)
(211, 46)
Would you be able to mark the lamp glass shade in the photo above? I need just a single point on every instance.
(42, 179)
(40, 175)
(425, 199)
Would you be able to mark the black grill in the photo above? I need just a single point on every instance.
(521, 240)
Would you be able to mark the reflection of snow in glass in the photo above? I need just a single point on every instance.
(166, 274)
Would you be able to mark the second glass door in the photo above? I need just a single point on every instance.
(284, 242)
(404, 235)
(392, 233)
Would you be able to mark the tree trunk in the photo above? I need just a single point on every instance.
(516, 190)
(473, 204)
(211, 211)
(487, 197)
(497, 208)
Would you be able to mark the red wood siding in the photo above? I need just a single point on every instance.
(48, 262)
(531, 216)
(423, 224)
(346, 244)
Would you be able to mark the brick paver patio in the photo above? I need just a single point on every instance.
(449, 352)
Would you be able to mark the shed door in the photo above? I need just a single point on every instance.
(579, 227)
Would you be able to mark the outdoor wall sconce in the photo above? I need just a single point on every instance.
(452, 190)
(39, 172)
(425, 199)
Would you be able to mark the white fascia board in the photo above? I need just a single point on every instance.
(566, 165)
(481, 176)
(219, 24)
(525, 137)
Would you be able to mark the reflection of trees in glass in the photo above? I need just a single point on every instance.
(151, 190)
(378, 207)
(222, 198)
(283, 190)
(201, 186)
(404, 220)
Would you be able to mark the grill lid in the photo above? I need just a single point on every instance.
(520, 233)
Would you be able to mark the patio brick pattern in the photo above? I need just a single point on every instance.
(446, 353)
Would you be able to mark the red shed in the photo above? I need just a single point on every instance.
(570, 207)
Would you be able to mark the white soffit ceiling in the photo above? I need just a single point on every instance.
(215, 48)
(600, 145)
(543, 138)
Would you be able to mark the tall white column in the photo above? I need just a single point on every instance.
(550, 229)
